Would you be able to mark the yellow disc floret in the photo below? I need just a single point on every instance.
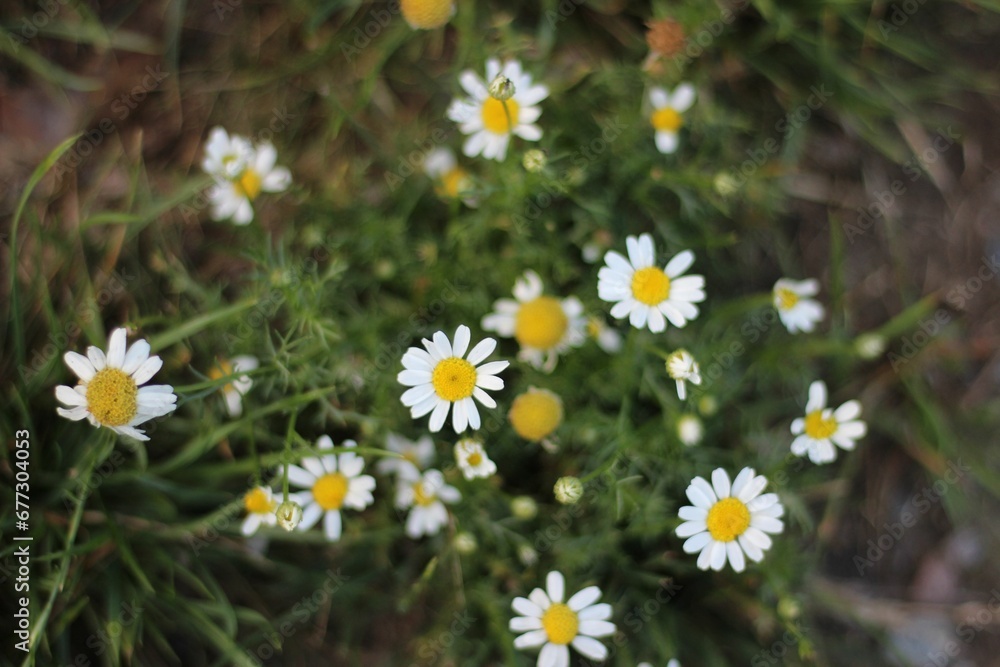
(249, 184)
(454, 379)
(500, 117)
(112, 397)
(786, 298)
(650, 286)
(560, 623)
(330, 491)
(453, 183)
(420, 497)
(540, 323)
(427, 14)
(728, 519)
(223, 369)
(257, 502)
(475, 458)
(666, 120)
(818, 427)
(535, 414)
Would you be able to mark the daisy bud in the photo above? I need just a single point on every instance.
(568, 490)
(501, 88)
(682, 367)
(869, 345)
(465, 543)
(689, 430)
(535, 160)
(527, 555)
(524, 507)
(289, 515)
(725, 184)
(789, 609)
(708, 405)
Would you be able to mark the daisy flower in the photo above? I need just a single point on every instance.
(333, 482)
(555, 625)
(451, 180)
(233, 392)
(822, 428)
(416, 455)
(726, 522)
(646, 293)
(798, 313)
(110, 391)
(260, 504)
(536, 414)
(490, 122)
(226, 157)
(682, 367)
(440, 377)
(424, 495)
(667, 110)
(427, 14)
(472, 459)
(543, 326)
(234, 191)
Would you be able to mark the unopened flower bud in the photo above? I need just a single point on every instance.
(568, 490)
(465, 543)
(689, 430)
(289, 514)
(869, 345)
(527, 555)
(535, 160)
(501, 88)
(524, 507)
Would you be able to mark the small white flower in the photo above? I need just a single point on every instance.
(798, 313)
(451, 181)
(667, 110)
(110, 391)
(555, 625)
(416, 455)
(490, 122)
(472, 459)
(424, 495)
(260, 505)
(689, 429)
(822, 428)
(440, 378)
(682, 367)
(645, 293)
(543, 326)
(608, 339)
(234, 391)
(241, 173)
(333, 482)
(726, 522)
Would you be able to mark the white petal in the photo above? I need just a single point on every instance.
(735, 555)
(332, 525)
(80, 365)
(524, 623)
(310, 515)
(597, 628)
(438, 416)
(116, 348)
(462, 337)
(70, 396)
(531, 639)
(689, 528)
(720, 483)
(848, 411)
(137, 354)
(682, 97)
(680, 263)
(817, 397)
(147, 370)
(553, 655)
(584, 598)
(697, 543)
(589, 647)
(300, 477)
(555, 585)
(526, 607)
(482, 350)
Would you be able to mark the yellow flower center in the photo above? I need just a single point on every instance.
(112, 397)
(818, 428)
(474, 459)
(454, 183)
(560, 623)
(535, 414)
(330, 490)
(421, 498)
(540, 323)
(411, 456)
(221, 370)
(786, 298)
(650, 286)
(454, 379)
(257, 502)
(666, 120)
(248, 184)
(427, 14)
(728, 519)
(499, 117)
(594, 327)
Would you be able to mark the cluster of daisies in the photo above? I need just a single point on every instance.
(449, 379)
